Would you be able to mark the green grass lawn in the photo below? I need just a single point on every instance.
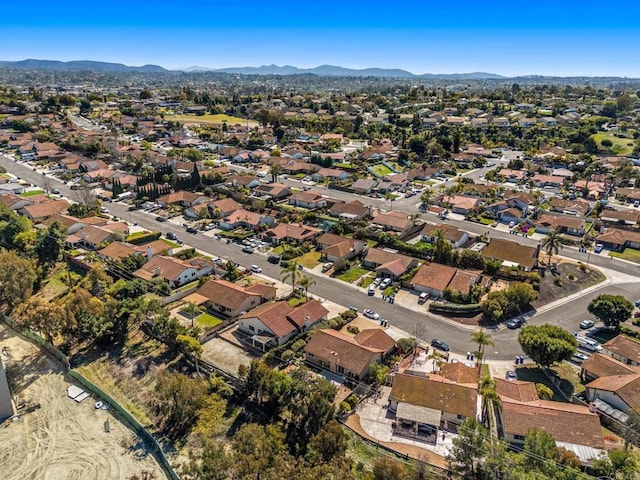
(218, 118)
(31, 193)
(170, 243)
(310, 260)
(381, 170)
(621, 146)
(352, 275)
(137, 235)
(295, 301)
(366, 281)
(208, 320)
(391, 196)
(486, 221)
(628, 254)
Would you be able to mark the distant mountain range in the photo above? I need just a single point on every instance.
(76, 65)
(322, 70)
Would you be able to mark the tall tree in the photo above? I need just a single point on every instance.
(482, 339)
(306, 282)
(291, 273)
(442, 248)
(49, 244)
(17, 278)
(547, 344)
(468, 448)
(192, 310)
(48, 318)
(611, 310)
(275, 170)
(552, 244)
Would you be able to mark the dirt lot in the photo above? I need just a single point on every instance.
(62, 439)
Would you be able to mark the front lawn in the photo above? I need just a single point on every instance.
(366, 281)
(352, 275)
(170, 243)
(31, 193)
(629, 254)
(572, 280)
(486, 221)
(310, 260)
(295, 301)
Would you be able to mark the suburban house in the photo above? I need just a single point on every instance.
(335, 248)
(276, 191)
(387, 263)
(116, 251)
(518, 390)
(512, 176)
(329, 174)
(273, 324)
(460, 373)
(624, 349)
(542, 180)
(452, 234)
(231, 300)
(39, 212)
(512, 254)
(174, 271)
(343, 354)
(460, 204)
(573, 427)
(619, 239)
(424, 404)
(92, 237)
(183, 198)
(511, 214)
(364, 186)
(602, 365)
(353, 210)
(569, 207)
(568, 225)
(246, 219)
(14, 202)
(622, 217)
(290, 233)
(393, 221)
(435, 278)
(308, 199)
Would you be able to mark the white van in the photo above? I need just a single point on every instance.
(588, 344)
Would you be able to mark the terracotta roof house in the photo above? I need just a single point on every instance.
(421, 173)
(174, 271)
(624, 349)
(388, 264)
(39, 212)
(290, 233)
(595, 189)
(517, 390)
(272, 190)
(393, 221)
(231, 300)
(452, 234)
(619, 239)
(14, 202)
(561, 224)
(364, 186)
(182, 198)
(308, 199)
(334, 247)
(435, 278)
(353, 210)
(246, 219)
(341, 354)
(602, 365)
(247, 181)
(460, 204)
(117, 251)
(621, 392)
(542, 180)
(569, 207)
(460, 373)
(273, 324)
(511, 253)
(330, 174)
(73, 224)
(573, 427)
(512, 176)
(376, 338)
(423, 401)
(91, 237)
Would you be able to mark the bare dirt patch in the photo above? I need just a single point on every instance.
(62, 439)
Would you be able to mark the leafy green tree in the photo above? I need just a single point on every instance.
(275, 170)
(611, 310)
(539, 451)
(471, 259)
(329, 443)
(378, 373)
(547, 344)
(190, 346)
(49, 244)
(520, 295)
(213, 462)
(468, 449)
(192, 310)
(17, 278)
(385, 468)
(617, 464)
(291, 273)
(47, 318)
(544, 392)
(306, 282)
(442, 248)
(260, 452)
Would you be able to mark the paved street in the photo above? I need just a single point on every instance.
(458, 337)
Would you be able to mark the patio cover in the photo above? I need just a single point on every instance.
(415, 413)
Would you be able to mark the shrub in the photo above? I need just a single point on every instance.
(142, 239)
(348, 315)
(298, 345)
(572, 277)
(405, 345)
(557, 281)
(345, 407)
(353, 329)
(455, 308)
(352, 400)
(582, 267)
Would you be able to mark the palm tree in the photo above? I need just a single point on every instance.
(192, 310)
(441, 246)
(552, 244)
(306, 282)
(291, 273)
(426, 196)
(487, 389)
(275, 170)
(482, 339)
(435, 356)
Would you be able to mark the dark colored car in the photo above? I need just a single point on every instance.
(192, 230)
(513, 324)
(440, 345)
(275, 259)
(160, 219)
(171, 236)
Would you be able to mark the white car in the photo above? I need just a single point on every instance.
(104, 210)
(371, 314)
(256, 269)
(211, 226)
(385, 283)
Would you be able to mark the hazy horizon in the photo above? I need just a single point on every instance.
(548, 38)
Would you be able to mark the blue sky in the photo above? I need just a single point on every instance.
(508, 37)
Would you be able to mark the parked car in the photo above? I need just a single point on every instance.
(55, 191)
(209, 227)
(598, 248)
(511, 375)
(192, 230)
(424, 296)
(247, 249)
(376, 281)
(371, 291)
(256, 269)
(275, 259)
(637, 303)
(160, 219)
(171, 236)
(104, 210)
(579, 357)
(327, 266)
(385, 283)
(586, 324)
(440, 345)
(371, 314)
(513, 324)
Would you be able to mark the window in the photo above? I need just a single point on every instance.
(251, 328)
(518, 437)
(459, 417)
(339, 368)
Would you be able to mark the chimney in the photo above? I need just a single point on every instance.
(156, 271)
(149, 253)
(307, 322)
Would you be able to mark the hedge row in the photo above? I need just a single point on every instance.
(142, 239)
(454, 308)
